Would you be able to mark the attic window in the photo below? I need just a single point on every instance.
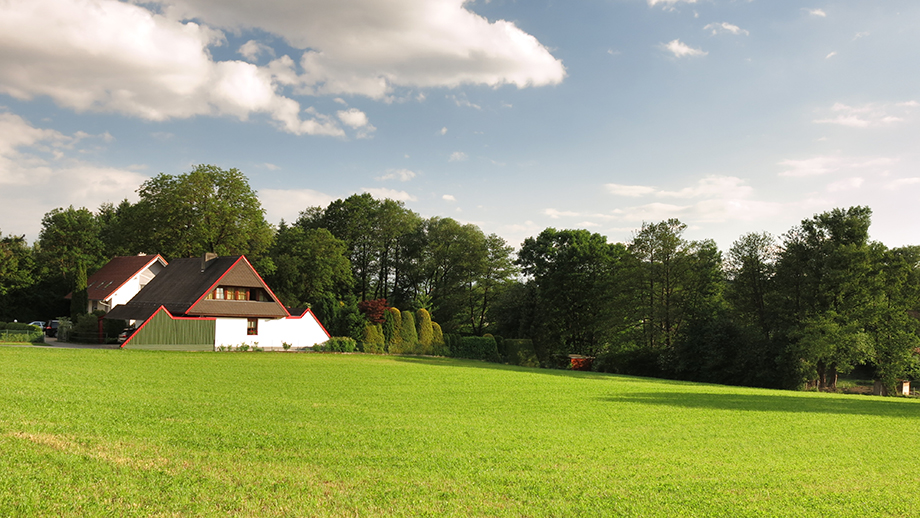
(234, 293)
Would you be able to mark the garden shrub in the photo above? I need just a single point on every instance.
(477, 348)
(520, 352)
(18, 332)
(338, 344)
(85, 330)
(408, 333)
(438, 346)
(373, 339)
(425, 331)
(392, 332)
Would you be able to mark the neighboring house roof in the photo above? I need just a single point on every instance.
(106, 281)
(182, 288)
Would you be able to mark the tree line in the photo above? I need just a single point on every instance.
(789, 311)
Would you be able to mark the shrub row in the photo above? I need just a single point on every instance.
(338, 344)
(17, 326)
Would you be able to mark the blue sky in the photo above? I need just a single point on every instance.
(733, 116)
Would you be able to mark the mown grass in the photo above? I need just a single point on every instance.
(134, 433)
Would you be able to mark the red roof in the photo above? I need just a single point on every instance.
(102, 284)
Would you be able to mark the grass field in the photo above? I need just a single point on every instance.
(134, 433)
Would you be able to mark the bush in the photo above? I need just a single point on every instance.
(392, 332)
(408, 333)
(85, 330)
(520, 352)
(16, 332)
(425, 331)
(477, 348)
(373, 339)
(640, 361)
(338, 344)
(438, 346)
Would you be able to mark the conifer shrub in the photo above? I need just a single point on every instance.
(392, 331)
(438, 346)
(373, 339)
(425, 331)
(409, 334)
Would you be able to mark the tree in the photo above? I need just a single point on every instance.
(577, 278)
(206, 210)
(309, 266)
(826, 293)
(79, 299)
(69, 238)
(675, 278)
(750, 267)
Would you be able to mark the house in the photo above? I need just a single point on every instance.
(120, 280)
(208, 302)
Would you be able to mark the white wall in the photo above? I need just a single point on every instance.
(273, 332)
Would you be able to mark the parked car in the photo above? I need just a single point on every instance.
(51, 328)
(38, 323)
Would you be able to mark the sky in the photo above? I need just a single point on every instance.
(733, 116)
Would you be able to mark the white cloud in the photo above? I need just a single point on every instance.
(725, 27)
(403, 175)
(681, 50)
(821, 165)
(39, 170)
(443, 131)
(556, 214)
(252, 49)
(816, 12)
(382, 193)
(903, 182)
(847, 184)
(353, 117)
(832, 54)
(287, 204)
(270, 166)
(458, 156)
(653, 3)
(629, 190)
(448, 197)
(140, 60)
(367, 47)
(463, 102)
(110, 56)
(868, 115)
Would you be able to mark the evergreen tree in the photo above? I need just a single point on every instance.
(79, 297)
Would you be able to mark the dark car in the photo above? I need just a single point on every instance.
(51, 328)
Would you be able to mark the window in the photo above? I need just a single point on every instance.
(252, 326)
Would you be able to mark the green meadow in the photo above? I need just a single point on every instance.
(135, 433)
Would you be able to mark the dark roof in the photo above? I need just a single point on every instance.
(182, 285)
(102, 284)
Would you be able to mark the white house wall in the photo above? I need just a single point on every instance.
(273, 332)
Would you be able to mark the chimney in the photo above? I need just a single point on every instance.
(207, 258)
